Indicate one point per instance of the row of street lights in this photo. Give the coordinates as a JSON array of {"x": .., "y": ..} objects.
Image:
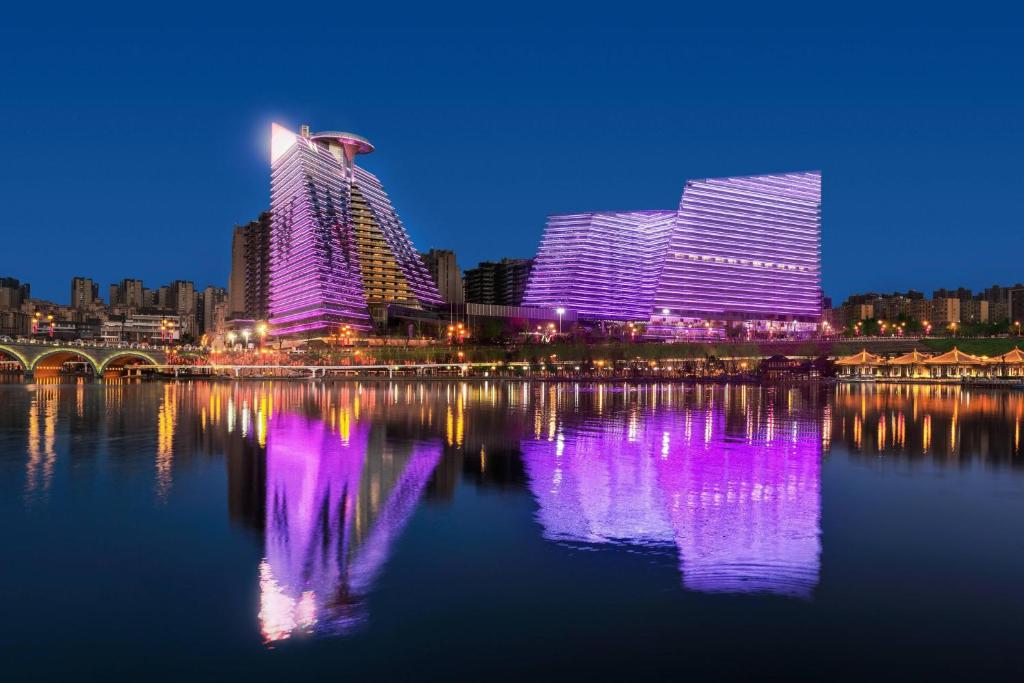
[
  {"x": 457, "y": 332},
  {"x": 261, "y": 332},
  {"x": 37, "y": 318},
  {"x": 899, "y": 328}
]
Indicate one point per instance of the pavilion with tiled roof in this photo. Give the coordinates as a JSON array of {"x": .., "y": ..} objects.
[
  {"x": 911, "y": 364},
  {"x": 1010, "y": 364},
  {"x": 861, "y": 364},
  {"x": 955, "y": 363}
]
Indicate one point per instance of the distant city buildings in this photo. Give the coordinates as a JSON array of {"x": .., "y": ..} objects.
[
  {"x": 738, "y": 251},
  {"x": 214, "y": 310},
  {"x": 443, "y": 268},
  {"x": 176, "y": 311},
  {"x": 996, "y": 305},
  {"x": 498, "y": 283},
  {"x": 84, "y": 293},
  {"x": 128, "y": 294},
  {"x": 142, "y": 327},
  {"x": 249, "y": 283},
  {"x": 337, "y": 246},
  {"x": 14, "y": 321}
]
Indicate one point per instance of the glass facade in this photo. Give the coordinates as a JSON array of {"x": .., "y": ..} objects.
[
  {"x": 746, "y": 248},
  {"x": 737, "y": 249},
  {"x": 336, "y": 243},
  {"x": 604, "y": 266}
]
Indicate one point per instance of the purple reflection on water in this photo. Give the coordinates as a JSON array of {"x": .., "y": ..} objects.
[
  {"x": 332, "y": 515},
  {"x": 742, "y": 505}
]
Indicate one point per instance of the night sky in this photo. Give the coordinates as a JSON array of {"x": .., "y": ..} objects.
[{"x": 133, "y": 142}]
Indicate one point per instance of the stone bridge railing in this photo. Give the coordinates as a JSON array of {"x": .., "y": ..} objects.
[{"x": 33, "y": 357}]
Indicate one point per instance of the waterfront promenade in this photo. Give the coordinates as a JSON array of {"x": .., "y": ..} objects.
[{"x": 770, "y": 360}]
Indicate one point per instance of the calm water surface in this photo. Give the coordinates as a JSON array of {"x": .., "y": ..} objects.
[{"x": 305, "y": 531}]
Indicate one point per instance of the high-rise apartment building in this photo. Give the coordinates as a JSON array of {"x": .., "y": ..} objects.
[
  {"x": 738, "y": 250},
  {"x": 514, "y": 275},
  {"x": 84, "y": 292},
  {"x": 480, "y": 283},
  {"x": 128, "y": 294},
  {"x": 337, "y": 244},
  {"x": 501, "y": 283},
  {"x": 249, "y": 285},
  {"x": 181, "y": 300},
  {"x": 961, "y": 293},
  {"x": 444, "y": 269},
  {"x": 181, "y": 297},
  {"x": 213, "y": 302},
  {"x": 13, "y": 294}
]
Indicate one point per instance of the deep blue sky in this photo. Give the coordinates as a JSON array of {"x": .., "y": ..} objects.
[{"x": 133, "y": 142}]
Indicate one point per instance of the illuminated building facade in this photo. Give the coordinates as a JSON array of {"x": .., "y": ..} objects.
[
  {"x": 337, "y": 245},
  {"x": 604, "y": 266},
  {"x": 738, "y": 250}
]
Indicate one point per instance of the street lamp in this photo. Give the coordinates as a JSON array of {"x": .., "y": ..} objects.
[
  {"x": 261, "y": 330},
  {"x": 1018, "y": 327},
  {"x": 245, "y": 335},
  {"x": 231, "y": 339},
  {"x": 561, "y": 311}
]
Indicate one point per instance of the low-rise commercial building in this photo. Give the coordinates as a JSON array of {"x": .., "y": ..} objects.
[{"x": 141, "y": 327}]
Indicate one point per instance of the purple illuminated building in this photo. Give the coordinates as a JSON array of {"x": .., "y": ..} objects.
[
  {"x": 604, "y": 266},
  {"x": 737, "y": 496},
  {"x": 337, "y": 245},
  {"x": 740, "y": 250}
]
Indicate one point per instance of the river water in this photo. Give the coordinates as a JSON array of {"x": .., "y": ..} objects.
[{"x": 503, "y": 531}]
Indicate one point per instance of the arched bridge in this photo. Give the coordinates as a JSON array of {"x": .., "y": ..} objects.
[{"x": 50, "y": 357}]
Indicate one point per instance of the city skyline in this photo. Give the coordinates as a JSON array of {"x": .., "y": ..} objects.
[{"x": 516, "y": 123}]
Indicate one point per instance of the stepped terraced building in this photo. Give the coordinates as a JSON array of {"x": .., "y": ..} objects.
[
  {"x": 744, "y": 250},
  {"x": 337, "y": 245}
]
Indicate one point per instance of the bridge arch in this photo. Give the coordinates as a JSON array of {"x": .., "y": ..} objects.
[
  {"x": 122, "y": 358},
  {"x": 14, "y": 354},
  {"x": 62, "y": 355}
]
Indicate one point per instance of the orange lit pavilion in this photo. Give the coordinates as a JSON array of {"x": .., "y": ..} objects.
[{"x": 861, "y": 364}]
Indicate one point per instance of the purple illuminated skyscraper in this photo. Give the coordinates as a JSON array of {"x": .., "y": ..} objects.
[
  {"x": 738, "y": 250},
  {"x": 337, "y": 243}
]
